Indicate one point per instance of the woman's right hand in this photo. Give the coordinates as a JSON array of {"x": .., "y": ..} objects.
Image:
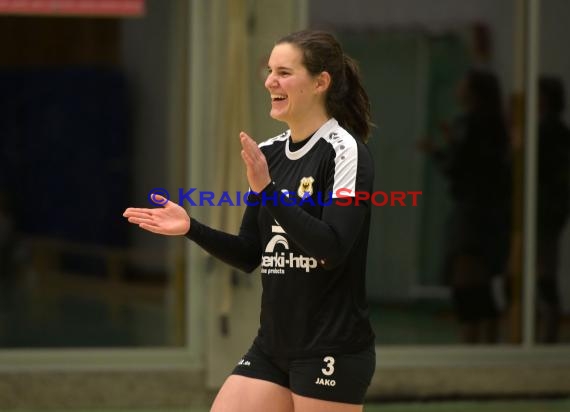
[{"x": 170, "y": 219}]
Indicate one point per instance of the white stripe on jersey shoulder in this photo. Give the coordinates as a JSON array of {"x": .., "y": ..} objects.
[
  {"x": 346, "y": 160},
  {"x": 322, "y": 133},
  {"x": 283, "y": 136}
]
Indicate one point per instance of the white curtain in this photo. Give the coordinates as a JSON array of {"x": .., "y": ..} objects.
[{"x": 229, "y": 111}]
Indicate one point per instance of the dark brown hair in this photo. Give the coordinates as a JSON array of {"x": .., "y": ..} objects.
[
  {"x": 346, "y": 100},
  {"x": 484, "y": 92}
]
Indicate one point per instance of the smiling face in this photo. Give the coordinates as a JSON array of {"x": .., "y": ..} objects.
[{"x": 296, "y": 95}]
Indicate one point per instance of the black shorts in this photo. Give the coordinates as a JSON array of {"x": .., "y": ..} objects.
[{"x": 331, "y": 377}]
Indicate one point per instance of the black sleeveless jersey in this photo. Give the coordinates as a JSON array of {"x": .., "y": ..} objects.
[{"x": 310, "y": 235}]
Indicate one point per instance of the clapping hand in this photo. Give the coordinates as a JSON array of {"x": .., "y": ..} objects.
[
  {"x": 255, "y": 162},
  {"x": 170, "y": 219}
]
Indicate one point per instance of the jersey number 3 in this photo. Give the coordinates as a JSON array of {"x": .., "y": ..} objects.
[{"x": 329, "y": 370}]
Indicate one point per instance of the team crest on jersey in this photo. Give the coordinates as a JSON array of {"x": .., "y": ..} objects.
[{"x": 305, "y": 187}]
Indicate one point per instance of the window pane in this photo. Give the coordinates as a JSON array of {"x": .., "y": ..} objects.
[
  {"x": 440, "y": 77},
  {"x": 84, "y": 135}
]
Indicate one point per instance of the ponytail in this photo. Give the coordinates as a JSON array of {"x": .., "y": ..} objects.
[{"x": 349, "y": 103}]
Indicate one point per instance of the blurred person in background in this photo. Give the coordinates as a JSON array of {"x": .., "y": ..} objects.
[
  {"x": 553, "y": 202},
  {"x": 476, "y": 162}
]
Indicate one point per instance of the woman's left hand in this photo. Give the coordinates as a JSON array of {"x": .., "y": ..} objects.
[{"x": 255, "y": 162}]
